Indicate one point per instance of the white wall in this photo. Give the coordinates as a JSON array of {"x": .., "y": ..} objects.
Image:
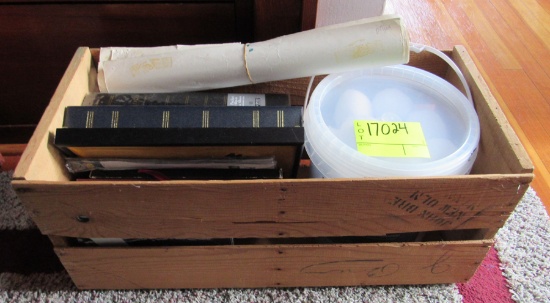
[{"x": 338, "y": 11}]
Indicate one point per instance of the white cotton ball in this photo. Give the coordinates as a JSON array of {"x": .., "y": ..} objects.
[
  {"x": 346, "y": 132},
  {"x": 391, "y": 103},
  {"x": 432, "y": 124},
  {"x": 352, "y": 104}
]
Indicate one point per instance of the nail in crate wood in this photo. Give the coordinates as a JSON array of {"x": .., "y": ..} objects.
[{"x": 468, "y": 209}]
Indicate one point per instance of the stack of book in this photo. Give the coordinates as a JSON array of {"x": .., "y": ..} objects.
[{"x": 174, "y": 136}]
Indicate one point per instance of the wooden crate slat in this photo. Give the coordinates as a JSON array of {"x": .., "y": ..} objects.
[
  {"x": 273, "y": 266},
  {"x": 273, "y": 209}
]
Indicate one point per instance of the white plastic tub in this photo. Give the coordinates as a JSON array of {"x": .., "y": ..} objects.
[{"x": 393, "y": 93}]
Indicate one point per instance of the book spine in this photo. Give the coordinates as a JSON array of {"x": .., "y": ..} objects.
[
  {"x": 186, "y": 174},
  {"x": 76, "y": 165},
  {"x": 188, "y": 99},
  {"x": 166, "y": 116},
  {"x": 103, "y": 137}
]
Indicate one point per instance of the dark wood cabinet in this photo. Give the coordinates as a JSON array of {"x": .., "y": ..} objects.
[{"x": 39, "y": 39}]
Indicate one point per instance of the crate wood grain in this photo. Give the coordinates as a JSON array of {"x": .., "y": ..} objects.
[
  {"x": 474, "y": 205},
  {"x": 286, "y": 208},
  {"x": 247, "y": 266}
]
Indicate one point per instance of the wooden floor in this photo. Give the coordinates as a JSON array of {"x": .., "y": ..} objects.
[{"x": 510, "y": 43}]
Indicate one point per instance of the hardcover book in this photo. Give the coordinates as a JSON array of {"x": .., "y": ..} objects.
[
  {"x": 184, "y": 174},
  {"x": 77, "y": 165},
  {"x": 284, "y": 144},
  {"x": 188, "y": 99},
  {"x": 167, "y": 116}
]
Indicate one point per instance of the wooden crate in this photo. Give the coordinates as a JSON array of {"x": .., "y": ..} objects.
[{"x": 459, "y": 215}]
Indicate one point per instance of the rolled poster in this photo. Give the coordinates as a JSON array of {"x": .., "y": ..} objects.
[{"x": 343, "y": 47}]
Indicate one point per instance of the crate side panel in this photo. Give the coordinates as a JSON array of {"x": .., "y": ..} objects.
[
  {"x": 273, "y": 266},
  {"x": 500, "y": 150},
  {"x": 286, "y": 208},
  {"x": 41, "y": 160}
]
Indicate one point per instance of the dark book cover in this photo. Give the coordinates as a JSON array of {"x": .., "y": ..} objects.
[
  {"x": 188, "y": 99},
  {"x": 284, "y": 144},
  {"x": 120, "y": 137},
  {"x": 77, "y": 165},
  {"x": 166, "y": 116},
  {"x": 184, "y": 174}
]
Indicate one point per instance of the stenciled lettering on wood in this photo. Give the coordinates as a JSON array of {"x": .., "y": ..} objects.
[{"x": 445, "y": 211}]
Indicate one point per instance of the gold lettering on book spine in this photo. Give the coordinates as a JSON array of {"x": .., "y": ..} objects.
[
  {"x": 205, "y": 119},
  {"x": 114, "y": 118},
  {"x": 256, "y": 118},
  {"x": 165, "y": 119},
  {"x": 280, "y": 118},
  {"x": 89, "y": 119}
]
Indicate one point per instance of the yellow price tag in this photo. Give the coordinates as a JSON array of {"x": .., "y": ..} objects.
[{"x": 391, "y": 139}]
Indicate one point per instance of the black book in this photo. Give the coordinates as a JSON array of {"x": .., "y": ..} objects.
[
  {"x": 188, "y": 99},
  {"x": 77, "y": 165},
  {"x": 184, "y": 174},
  {"x": 284, "y": 144},
  {"x": 167, "y": 116}
]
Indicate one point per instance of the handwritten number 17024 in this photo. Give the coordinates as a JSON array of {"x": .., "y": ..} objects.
[{"x": 376, "y": 129}]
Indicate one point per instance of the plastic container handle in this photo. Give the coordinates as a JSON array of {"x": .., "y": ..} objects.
[{"x": 418, "y": 48}]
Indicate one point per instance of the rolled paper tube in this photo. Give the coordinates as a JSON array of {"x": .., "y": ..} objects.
[
  {"x": 117, "y": 53},
  {"x": 188, "y": 69},
  {"x": 344, "y": 47}
]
